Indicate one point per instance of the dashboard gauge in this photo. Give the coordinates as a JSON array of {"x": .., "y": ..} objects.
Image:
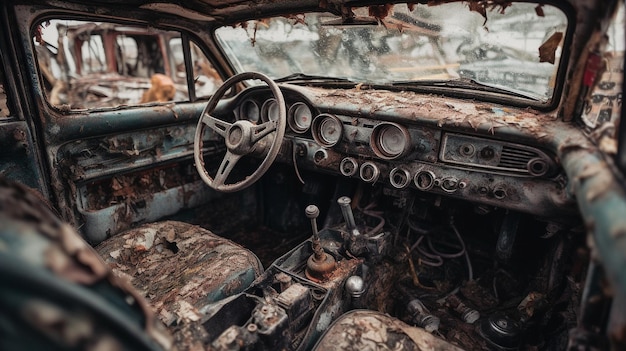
[
  {"x": 270, "y": 111},
  {"x": 327, "y": 130},
  {"x": 390, "y": 140},
  {"x": 300, "y": 117},
  {"x": 250, "y": 111}
]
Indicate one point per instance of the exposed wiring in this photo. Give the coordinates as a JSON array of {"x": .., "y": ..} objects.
[
  {"x": 435, "y": 258},
  {"x": 495, "y": 277},
  {"x": 470, "y": 270},
  {"x": 368, "y": 211},
  {"x": 460, "y": 253},
  {"x": 438, "y": 261},
  {"x": 295, "y": 164}
]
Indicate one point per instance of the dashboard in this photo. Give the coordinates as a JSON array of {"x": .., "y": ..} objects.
[{"x": 335, "y": 132}]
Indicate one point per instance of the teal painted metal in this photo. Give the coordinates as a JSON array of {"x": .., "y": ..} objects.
[{"x": 602, "y": 203}]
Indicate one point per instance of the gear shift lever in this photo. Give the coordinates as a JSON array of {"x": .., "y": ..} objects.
[
  {"x": 346, "y": 210},
  {"x": 319, "y": 263}
]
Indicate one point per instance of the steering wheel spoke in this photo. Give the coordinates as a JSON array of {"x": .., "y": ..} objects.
[
  {"x": 219, "y": 126},
  {"x": 228, "y": 163},
  {"x": 261, "y": 130}
]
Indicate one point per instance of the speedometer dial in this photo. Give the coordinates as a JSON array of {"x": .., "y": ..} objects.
[
  {"x": 250, "y": 111},
  {"x": 270, "y": 111},
  {"x": 327, "y": 130},
  {"x": 390, "y": 140},
  {"x": 300, "y": 117}
]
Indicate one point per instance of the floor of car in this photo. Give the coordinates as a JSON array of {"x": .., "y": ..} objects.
[{"x": 238, "y": 218}]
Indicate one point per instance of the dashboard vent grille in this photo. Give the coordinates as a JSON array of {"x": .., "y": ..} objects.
[{"x": 515, "y": 158}]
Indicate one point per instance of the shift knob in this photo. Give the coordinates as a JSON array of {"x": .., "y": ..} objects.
[{"x": 312, "y": 211}]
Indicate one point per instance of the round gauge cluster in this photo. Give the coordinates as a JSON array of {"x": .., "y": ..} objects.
[
  {"x": 300, "y": 117},
  {"x": 327, "y": 130},
  {"x": 390, "y": 140},
  {"x": 250, "y": 110},
  {"x": 270, "y": 111}
]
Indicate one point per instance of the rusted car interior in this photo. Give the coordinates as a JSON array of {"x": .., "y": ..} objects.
[{"x": 312, "y": 175}]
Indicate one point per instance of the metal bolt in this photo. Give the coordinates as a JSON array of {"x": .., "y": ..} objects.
[{"x": 284, "y": 280}]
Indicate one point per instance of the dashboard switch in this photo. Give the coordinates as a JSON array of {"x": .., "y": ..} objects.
[
  {"x": 319, "y": 156},
  {"x": 424, "y": 180},
  {"x": 399, "y": 178},
  {"x": 348, "y": 167},
  {"x": 369, "y": 172},
  {"x": 449, "y": 184}
]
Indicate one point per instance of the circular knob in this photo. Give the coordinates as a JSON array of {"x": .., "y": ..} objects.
[
  {"x": 355, "y": 286},
  {"x": 369, "y": 172},
  {"x": 312, "y": 211}
]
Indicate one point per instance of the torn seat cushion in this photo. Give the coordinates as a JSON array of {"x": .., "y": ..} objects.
[
  {"x": 370, "y": 330},
  {"x": 180, "y": 268}
]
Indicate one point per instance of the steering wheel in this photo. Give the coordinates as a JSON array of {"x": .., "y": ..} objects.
[{"x": 241, "y": 137}]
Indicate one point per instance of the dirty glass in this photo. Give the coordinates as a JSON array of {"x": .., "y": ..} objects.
[
  {"x": 87, "y": 65},
  {"x": 515, "y": 46},
  {"x": 206, "y": 78}
]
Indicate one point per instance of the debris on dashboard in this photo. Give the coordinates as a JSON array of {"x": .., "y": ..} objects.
[{"x": 135, "y": 186}]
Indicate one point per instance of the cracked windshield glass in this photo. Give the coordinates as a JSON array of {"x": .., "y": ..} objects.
[{"x": 515, "y": 47}]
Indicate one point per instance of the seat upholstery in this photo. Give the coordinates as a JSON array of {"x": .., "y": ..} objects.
[
  {"x": 371, "y": 330},
  {"x": 180, "y": 268}
]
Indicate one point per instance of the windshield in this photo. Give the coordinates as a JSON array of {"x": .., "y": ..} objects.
[{"x": 515, "y": 47}]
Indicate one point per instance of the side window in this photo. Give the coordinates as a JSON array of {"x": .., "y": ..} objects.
[
  {"x": 4, "y": 103},
  {"x": 206, "y": 78},
  {"x": 89, "y": 65}
]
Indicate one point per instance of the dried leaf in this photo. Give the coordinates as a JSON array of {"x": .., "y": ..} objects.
[
  {"x": 380, "y": 11},
  {"x": 547, "y": 50},
  {"x": 479, "y": 7},
  {"x": 539, "y": 10},
  {"x": 297, "y": 18}
]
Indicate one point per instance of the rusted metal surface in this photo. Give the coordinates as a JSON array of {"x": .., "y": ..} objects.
[
  {"x": 159, "y": 254},
  {"x": 367, "y": 330},
  {"x": 180, "y": 268},
  {"x": 602, "y": 203}
]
